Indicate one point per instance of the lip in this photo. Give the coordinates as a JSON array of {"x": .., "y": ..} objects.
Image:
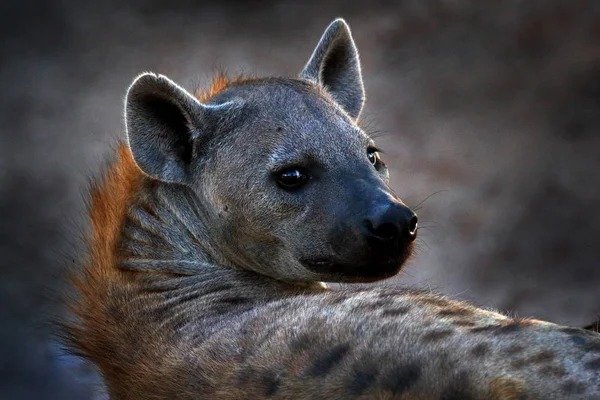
[
  {"x": 335, "y": 271},
  {"x": 318, "y": 262}
]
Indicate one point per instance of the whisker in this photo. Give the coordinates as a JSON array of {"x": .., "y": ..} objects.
[{"x": 418, "y": 206}]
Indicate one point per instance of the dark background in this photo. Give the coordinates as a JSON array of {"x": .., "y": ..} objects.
[{"x": 496, "y": 104}]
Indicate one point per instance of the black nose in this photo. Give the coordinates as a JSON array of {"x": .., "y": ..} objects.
[{"x": 392, "y": 222}]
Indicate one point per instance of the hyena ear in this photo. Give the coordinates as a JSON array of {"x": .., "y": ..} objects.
[
  {"x": 335, "y": 65},
  {"x": 163, "y": 123}
]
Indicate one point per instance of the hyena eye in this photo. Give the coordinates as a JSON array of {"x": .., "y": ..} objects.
[
  {"x": 373, "y": 156},
  {"x": 292, "y": 178}
]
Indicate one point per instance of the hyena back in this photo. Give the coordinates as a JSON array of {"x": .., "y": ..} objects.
[{"x": 216, "y": 224}]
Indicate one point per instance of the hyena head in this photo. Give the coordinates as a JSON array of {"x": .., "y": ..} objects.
[{"x": 283, "y": 179}]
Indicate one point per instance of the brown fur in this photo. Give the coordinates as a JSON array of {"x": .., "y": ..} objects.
[
  {"x": 99, "y": 278},
  {"x": 110, "y": 198},
  {"x": 220, "y": 82},
  {"x": 506, "y": 389}
]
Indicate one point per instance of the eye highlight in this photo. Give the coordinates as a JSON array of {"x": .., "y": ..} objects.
[
  {"x": 291, "y": 178},
  {"x": 373, "y": 156}
]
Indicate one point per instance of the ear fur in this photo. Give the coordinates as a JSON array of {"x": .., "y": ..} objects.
[
  {"x": 163, "y": 121},
  {"x": 335, "y": 65}
]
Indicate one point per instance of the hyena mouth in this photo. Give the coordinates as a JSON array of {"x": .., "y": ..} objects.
[
  {"x": 318, "y": 263},
  {"x": 353, "y": 272}
]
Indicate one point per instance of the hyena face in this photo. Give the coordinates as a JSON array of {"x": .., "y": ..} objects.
[{"x": 280, "y": 166}]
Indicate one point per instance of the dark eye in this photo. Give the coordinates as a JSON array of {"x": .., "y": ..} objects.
[
  {"x": 373, "y": 156},
  {"x": 292, "y": 178}
]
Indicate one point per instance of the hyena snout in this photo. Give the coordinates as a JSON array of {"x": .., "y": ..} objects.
[
  {"x": 391, "y": 222},
  {"x": 373, "y": 241}
]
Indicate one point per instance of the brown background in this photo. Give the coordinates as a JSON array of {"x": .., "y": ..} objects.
[{"x": 495, "y": 104}]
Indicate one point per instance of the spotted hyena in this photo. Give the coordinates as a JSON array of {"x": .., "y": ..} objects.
[{"x": 219, "y": 219}]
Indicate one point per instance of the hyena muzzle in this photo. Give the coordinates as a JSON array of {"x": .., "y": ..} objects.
[{"x": 214, "y": 227}]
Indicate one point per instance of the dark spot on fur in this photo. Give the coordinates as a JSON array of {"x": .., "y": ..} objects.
[
  {"x": 279, "y": 129},
  {"x": 437, "y": 335},
  {"x": 384, "y": 302},
  {"x": 246, "y": 375},
  {"x": 503, "y": 329},
  {"x": 394, "y": 312},
  {"x": 325, "y": 362},
  {"x": 592, "y": 347},
  {"x": 591, "y": 337},
  {"x": 363, "y": 377},
  {"x": 399, "y": 380},
  {"x": 271, "y": 382},
  {"x": 508, "y": 328},
  {"x": 365, "y": 307},
  {"x": 538, "y": 358},
  {"x": 458, "y": 388},
  {"x": 578, "y": 340},
  {"x": 553, "y": 370},
  {"x": 514, "y": 349},
  {"x": 541, "y": 357},
  {"x": 301, "y": 343},
  {"x": 455, "y": 312},
  {"x": 483, "y": 329},
  {"x": 383, "y": 295},
  {"x": 234, "y": 300},
  {"x": 593, "y": 364},
  {"x": 462, "y": 322},
  {"x": 454, "y": 394},
  {"x": 572, "y": 387},
  {"x": 480, "y": 350}
]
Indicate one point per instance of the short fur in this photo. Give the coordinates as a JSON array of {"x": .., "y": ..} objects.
[{"x": 202, "y": 276}]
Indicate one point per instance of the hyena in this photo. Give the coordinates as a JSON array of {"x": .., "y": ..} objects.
[{"x": 215, "y": 226}]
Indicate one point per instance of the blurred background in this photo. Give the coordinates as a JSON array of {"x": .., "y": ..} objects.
[{"x": 489, "y": 110}]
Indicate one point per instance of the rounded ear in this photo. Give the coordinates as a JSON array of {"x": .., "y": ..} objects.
[
  {"x": 335, "y": 65},
  {"x": 163, "y": 121}
]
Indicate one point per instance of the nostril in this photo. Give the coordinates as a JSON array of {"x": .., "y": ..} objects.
[
  {"x": 412, "y": 226},
  {"x": 385, "y": 231}
]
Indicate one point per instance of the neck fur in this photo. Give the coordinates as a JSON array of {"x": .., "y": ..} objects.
[{"x": 165, "y": 231}]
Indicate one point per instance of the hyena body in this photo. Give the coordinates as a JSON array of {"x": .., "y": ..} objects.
[{"x": 214, "y": 226}]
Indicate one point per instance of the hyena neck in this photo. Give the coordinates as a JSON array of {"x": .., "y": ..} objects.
[{"x": 164, "y": 231}]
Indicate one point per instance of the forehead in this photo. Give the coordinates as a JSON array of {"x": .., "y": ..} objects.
[{"x": 294, "y": 116}]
